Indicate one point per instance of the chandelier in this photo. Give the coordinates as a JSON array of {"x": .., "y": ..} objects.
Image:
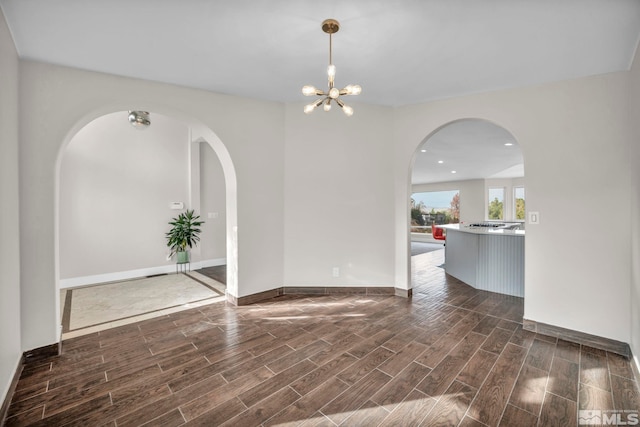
[{"x": 330, "y": 26}]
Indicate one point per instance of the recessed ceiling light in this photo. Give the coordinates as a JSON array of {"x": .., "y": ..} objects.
[
  {"x": 508, "y": 144},
  {"x": 423, "y": 151},
  {"x": 441, "y": 161},
  {"x": 453, "y": 172}
]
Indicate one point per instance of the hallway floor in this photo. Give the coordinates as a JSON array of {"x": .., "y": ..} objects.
[
  {"x": 450, "y": 356},
  {"x": 98, "y": 307}
]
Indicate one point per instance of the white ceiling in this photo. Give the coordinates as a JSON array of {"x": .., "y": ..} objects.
[
  {"x": 473, "y": 149},
  {"x": 400, "y": 51}
]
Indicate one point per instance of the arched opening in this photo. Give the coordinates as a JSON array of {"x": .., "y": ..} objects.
[
  {"x": 117, "y": 187},
  {"x": 468, "y": 171}
]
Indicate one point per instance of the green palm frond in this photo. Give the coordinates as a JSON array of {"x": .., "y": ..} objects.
[{"x": 184, "y": 231}]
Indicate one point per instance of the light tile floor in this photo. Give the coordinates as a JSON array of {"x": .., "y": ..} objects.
[{"x": 162, "y": 304}]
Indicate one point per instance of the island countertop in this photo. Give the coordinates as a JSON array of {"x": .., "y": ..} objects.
[
  {"x": 482, "y": 230},
  {"x": 487, "y": 258}
]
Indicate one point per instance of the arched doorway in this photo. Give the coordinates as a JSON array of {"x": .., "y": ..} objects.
[
  {"x": 467, "y": 171},
  {"x": 132, "y": 178}
]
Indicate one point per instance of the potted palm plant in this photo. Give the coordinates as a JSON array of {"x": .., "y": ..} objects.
[{"x": 184, "y": 232}]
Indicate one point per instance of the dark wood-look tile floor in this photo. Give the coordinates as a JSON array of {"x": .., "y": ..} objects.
[
  {"x": 449, "y": 356},
  {"x": 218, "y": 273}
]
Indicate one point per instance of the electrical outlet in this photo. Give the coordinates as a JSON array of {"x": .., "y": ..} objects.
[{"x": 336, "y": 271}]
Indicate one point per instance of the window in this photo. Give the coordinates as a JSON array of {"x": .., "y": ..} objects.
[
  {"x": 439, "y": 207},
  {"x": 518, "y": 202},
  {"x": 496, "y": 203}
]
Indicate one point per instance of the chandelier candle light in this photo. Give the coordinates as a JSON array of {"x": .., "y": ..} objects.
[{"x": 330, "y": 26}]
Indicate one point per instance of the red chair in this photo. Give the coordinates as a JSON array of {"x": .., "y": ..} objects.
[{"x": 437, "y": 232}]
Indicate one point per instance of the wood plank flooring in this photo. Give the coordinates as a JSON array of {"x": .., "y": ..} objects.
[
  {"x": 449, "y": 356},
  {"x": 218, "y": 273}
]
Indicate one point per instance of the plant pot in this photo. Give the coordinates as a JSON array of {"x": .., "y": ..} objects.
[{"x": 182, "y": 257}]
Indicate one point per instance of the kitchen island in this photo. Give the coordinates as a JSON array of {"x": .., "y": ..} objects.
[{"x": 487, "y": 256}]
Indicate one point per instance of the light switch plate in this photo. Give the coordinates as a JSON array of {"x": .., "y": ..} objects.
[{"x": 534, "y": 217}]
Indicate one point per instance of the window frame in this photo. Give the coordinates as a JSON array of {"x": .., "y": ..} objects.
[
  {"x": 490, "y": 199},
  {"x": 515, "y": 201}
]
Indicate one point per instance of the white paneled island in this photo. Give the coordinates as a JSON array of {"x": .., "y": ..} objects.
[{"x": 487, "y": 256}]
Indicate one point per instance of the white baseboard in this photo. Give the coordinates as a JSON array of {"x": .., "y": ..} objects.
[{"x": 75, "y": 282}]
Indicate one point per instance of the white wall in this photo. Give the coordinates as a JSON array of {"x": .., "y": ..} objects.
[
  {"x": 342, "y": 187},
  {"x": 116, "y": 184},
  {"x": 634, "y": 165},
  {"x": 574, "y": 139},
  {"x": 212, "y": 200},
  {"x": 338, "y": 197},
  {"x": 10, "y": 347},
  {"x": 64, "y": 100}
]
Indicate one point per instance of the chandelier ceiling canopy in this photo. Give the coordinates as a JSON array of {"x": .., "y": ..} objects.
[{"x": 330, "y": 26}]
